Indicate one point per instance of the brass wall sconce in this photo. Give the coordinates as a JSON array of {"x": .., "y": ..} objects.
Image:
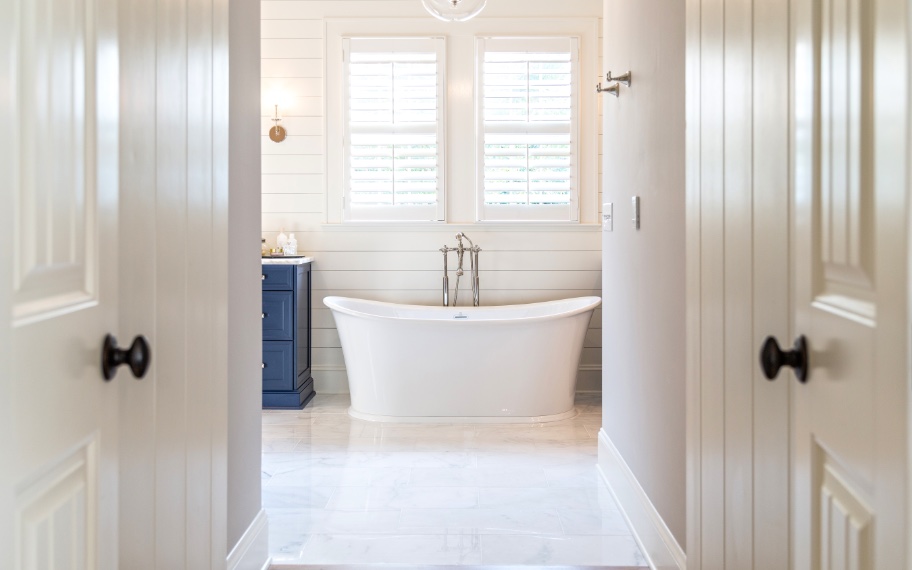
[{"x": 277, "y": 133}]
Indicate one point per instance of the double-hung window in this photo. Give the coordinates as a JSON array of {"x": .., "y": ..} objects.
[
  {"x": 528, "y": 128},
  {"x": 393, "y": 116}
]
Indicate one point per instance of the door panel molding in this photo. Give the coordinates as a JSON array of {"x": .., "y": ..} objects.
[
  {"x": 843, "y": 530},
  {"x": 55, "y": 236},
  {"x": 56, "y": 514},
  {"x": 844, "y": 256}
]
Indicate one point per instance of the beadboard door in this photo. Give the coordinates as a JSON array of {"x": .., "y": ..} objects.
[
  {"x": 59, "y": 148},
  {"x": 738, "y": 282},
  {"x": 174, "y": 270}
]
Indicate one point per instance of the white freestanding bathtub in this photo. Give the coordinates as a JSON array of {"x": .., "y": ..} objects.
[{"x": 514, "y": 363}]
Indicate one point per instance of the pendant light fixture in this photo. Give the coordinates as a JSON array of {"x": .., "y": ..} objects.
[{"x": 454, "y": 10}]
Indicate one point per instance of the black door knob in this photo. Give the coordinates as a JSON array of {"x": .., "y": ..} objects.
[
  {"x": 137, "y": 357},
  {"x": 772, "y": 358}
]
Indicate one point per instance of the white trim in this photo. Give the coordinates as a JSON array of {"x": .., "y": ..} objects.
[
  {"x": 252, "y": 551},
  {"x": 401, "y": 44},
  {"x": 658, "y": 545},
  {"x": 460, "y": 204},
  {"x": 504, "y": 213}
]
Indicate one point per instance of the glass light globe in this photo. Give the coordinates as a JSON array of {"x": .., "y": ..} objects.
[{"x": 454, "y": 10}]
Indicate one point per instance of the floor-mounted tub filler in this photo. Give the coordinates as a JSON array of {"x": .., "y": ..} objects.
[{"x": 513, "y": 363}]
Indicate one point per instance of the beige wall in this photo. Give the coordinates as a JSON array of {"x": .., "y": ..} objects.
[
  {"x": 244, "y": 295},
  {"x": 644, "y": 313},
  {"x": 400, "y": 264}
]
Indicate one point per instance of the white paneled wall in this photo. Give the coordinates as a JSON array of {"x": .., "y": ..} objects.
[{"x": 400, "y": 263}]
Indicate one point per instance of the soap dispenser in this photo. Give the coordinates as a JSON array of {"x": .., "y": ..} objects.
[
  {"x": 281, "y": 240},
  {"x": 291, "y": 247}
]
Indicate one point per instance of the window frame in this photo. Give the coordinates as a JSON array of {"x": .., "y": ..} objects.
[
  {"x": 509, "y": 213},
  {"x": 460, "y": 206},
  {"x": 432, "y": 213}
]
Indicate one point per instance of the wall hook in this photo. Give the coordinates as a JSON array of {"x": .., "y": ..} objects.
[
  {"x": 623, "y": 78},
  {"x": 613, "y": 89}
]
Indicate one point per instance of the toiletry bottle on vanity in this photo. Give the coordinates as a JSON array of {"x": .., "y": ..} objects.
[
  {"x": 264, "y": 249},
  {"x": 291, "y": 246},
  {"x": 281, "y": 240}
]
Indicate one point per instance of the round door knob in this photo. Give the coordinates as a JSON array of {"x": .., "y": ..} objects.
[
  {"x": 137, "y": 357},
  {"x": 772, "y": 358}
]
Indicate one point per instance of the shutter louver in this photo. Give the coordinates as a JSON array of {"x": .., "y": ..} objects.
[{"x": 394, "y": 129}]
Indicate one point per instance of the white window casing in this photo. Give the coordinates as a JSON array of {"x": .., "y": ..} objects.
[
  {"x": 527, "y": 127},
  {"x": 460, "y": 162},
  {"x": 393, "y": 115}
]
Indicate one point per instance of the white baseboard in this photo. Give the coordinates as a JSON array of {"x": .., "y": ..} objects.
[
  {"x": 252, "y": 551},
  {"x": 659, "y": 546}
]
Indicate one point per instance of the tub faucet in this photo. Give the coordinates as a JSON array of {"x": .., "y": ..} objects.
[{"x": 460, "y": 250}]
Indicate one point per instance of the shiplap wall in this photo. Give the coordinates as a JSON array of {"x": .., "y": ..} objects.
[{"x": 400, "y": 264}]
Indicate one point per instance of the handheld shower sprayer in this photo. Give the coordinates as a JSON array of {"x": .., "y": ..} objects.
[{"x": 446, "y": 278}]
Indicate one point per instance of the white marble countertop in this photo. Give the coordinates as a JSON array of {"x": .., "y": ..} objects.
[{"x": 286, "y": 261}]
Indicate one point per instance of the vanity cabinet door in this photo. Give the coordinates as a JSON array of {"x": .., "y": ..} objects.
[
  {"x": 278, "y": 366},
  {"x": 278, "y": 315}
]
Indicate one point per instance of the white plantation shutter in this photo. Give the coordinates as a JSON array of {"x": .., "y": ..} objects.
[
  {"x": 393, "y": 117},
  {"x": 528, "y": 129}
]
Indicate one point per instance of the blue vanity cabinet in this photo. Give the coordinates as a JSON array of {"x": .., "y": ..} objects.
[{"x": 287, "y": 381}]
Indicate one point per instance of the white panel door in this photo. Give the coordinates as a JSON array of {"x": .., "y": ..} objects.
[
  {"x": 850, "y": 262},
  {"x": 59, "y": 181}
]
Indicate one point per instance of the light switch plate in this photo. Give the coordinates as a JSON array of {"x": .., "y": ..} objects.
[{"x": 608, "y": 217}]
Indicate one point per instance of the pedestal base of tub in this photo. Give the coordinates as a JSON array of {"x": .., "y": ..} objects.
[{"x": 465, "y": 419}]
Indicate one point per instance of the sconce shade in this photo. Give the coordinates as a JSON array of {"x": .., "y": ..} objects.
[
  {"x": 454, "y": 10},
  {"x": 277, "y": 133}
]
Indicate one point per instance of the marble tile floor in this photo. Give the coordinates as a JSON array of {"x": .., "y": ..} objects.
[{"x": 345, "y": 493}]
